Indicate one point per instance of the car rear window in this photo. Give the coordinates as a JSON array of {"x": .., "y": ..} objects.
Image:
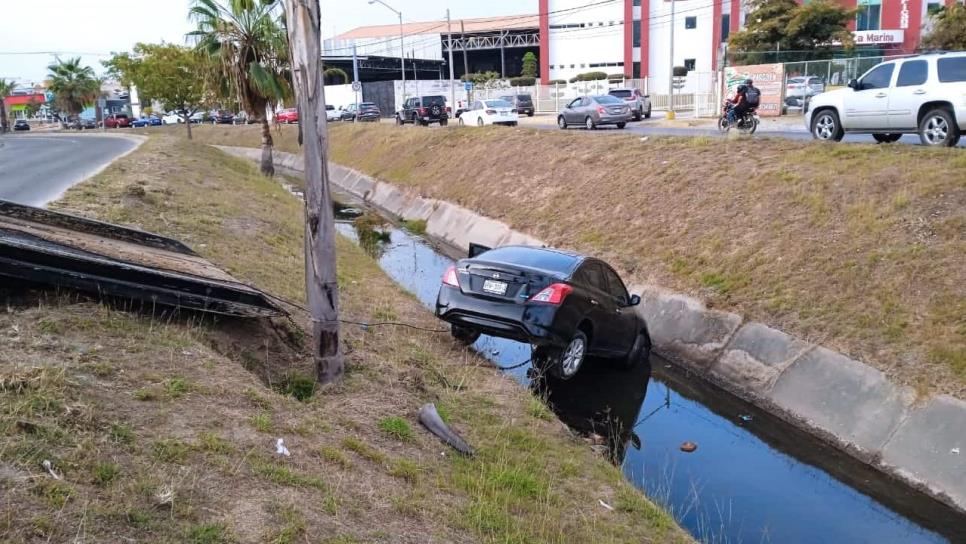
[
  {"x": 952, "y": 69},
  {"x": 607, "y": 99},
  {"x": 622, "y": 94},
  {"x": 524, "y": 97},
  {"x": 329, "y": 107},
  {"x": 532, "y": 257},
  {"x": 498, "y": 103},
  {"x": 367, "y": 105},
  {"x": 434, "y": 100}
]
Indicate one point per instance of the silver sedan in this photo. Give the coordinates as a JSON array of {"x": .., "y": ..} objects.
[{"x": 594, "y": 111}]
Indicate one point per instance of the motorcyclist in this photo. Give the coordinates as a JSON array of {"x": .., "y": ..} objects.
[{"x": 739, "y": 104}]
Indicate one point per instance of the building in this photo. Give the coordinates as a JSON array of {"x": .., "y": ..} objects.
[
  {"x": 483, "y": 44},
  {"x": 633, "y": 37},
  {"x": 19, "y": 104}
]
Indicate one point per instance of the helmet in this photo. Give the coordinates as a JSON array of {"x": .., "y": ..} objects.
[
  {"x": 748, "y": 81},
  {"x": 742, "y": 88}
]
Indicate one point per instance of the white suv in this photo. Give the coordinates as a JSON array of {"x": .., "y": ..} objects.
[{"x": 925, "y": 94}]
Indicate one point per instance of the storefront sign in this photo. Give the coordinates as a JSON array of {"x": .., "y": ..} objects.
[
  {"x": 877, "y": 37},
  {"x": 904, "y": 14},
  {"x": 767, "y": 77}
]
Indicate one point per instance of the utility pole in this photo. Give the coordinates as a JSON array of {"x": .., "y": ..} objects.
[
  {"x": 303, "y": 19},
  {"x": 466, "y": 62},
  {"x": 452, "y": 85},
  {"x": 670, "y": 81},
  {"x": 355, "y": 74},
  {"x": 402, "y": 47}
]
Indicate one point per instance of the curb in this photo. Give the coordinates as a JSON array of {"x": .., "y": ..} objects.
[{"x": 842, "y": 401}]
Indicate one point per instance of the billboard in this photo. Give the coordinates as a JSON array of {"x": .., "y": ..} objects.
[{"x": 767, "y": 77}]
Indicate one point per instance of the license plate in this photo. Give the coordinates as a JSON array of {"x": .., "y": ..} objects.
[
  {"x": 495, "y": 287},
  {"x": 504, "y": 113}
]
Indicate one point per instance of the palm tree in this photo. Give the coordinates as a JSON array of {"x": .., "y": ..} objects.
[
  {"x": 6, "y": 87},
  {"x": 74, "y": 86},
  {"x": 248, "y": 38}
]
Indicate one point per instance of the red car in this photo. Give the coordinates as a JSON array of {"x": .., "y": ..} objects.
[
  {"x": 290, "y": 115},
  {"x": 117, "y": 120}
]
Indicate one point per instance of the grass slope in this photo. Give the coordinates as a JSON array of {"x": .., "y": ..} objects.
[
  {"x": 859, "y": 247},
  {"x": 163, "y": 428}
]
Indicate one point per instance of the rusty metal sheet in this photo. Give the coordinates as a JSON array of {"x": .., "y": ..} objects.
[{"x": 66, "y": 250}]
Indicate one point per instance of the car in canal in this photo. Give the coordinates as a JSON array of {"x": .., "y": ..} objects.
[
  {"x": 594, "y": 111},
  {"x": 566, "y": 305}
]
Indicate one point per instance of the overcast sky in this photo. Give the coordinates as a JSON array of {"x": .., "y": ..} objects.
[{"x": 95, "y": 28}]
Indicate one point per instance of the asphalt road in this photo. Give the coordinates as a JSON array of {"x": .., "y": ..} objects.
[{"x": 36, "y": 169}]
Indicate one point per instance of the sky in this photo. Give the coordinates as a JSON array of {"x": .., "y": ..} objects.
[{"x": 33, "y": 31}]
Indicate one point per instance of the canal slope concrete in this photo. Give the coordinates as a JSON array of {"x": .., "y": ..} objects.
[{"x": 847, "y": 403}]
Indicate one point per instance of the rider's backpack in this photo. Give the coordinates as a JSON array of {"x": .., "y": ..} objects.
[{"x": 752, "y": 95}]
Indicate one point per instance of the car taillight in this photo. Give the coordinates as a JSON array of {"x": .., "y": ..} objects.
[
  {"x": 629, "y": 99},
  {"x": 450, "y": 277},
  {"x": 491, "y": 112},
  {"x": 553, "y": 294},
  {"x": 449, "y": 109},
  {"x": 600, "y": 109}
]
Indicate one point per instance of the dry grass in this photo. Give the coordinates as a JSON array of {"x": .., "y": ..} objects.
[
  {"x": 163, "y": 427},
  {"x": 859, "y": 247}
]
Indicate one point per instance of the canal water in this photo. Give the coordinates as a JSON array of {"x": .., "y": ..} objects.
[{"x": 751, "y": 478}]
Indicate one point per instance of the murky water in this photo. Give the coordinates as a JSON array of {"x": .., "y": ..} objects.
[{"x": 751, "y": 478}]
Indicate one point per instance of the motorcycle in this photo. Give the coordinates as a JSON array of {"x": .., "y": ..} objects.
[{"x": 746, "y": 124}]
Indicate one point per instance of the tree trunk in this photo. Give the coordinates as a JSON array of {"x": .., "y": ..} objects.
[
  {"x": 3, "y": 117},
  {"x": 187, "y": 124},
  {"x": 267, "y": 166},
  {"x": 322, "y": 289}
]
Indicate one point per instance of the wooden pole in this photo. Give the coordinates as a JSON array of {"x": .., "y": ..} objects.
[{"x": 322, "y": 290}]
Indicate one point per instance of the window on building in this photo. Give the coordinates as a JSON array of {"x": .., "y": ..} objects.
[
  {"x": 637, "y": 2},
  {"x": 691, "y": 22},
  {"x": 572, "y": 66},
  {"x": 933, "y": 7},
  {"x": 725, "y": 26},
  {"x": 952, "y": 69},
  {"x": 689, "y": 64},
  {"x": 636, "y": 32},
  {"x": 636, "y": 70},
  {"x": 869, "y": 15},
  {"x": 912, "y": 72},
  {"x": 583, "y": 65}
]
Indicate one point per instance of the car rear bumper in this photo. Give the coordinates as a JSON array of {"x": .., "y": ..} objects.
[
  {"x": 613, "y": 118},
  {"x": 525, "y": 110},
  {"x": 521, "y": 322}
]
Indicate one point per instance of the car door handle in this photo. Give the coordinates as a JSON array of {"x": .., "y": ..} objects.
[
  {"x": 881, "y": 95},
  {"x": 919, "y": 91}
]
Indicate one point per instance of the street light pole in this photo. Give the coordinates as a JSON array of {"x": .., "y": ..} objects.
[
  {"x": 670, "y": 83},
  {"x": 449, "y": 40},
  {"x": 402, "y": 47}
]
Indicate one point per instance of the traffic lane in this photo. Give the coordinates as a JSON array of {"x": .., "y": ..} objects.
[{"x": 35, "y": 170}]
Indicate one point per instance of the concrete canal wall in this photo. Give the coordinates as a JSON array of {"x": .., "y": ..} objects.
[{"x": 843, "y": 401}]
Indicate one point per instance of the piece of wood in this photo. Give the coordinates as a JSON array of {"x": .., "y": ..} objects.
[{"x": 303, "y": 18}]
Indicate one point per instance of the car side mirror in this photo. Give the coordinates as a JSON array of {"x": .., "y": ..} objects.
[
  {"x": 854, "y": 84},
  {"x": 635, "y": 300}
]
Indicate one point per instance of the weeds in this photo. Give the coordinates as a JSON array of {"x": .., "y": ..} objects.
[
  {"x": 397, "y": 428},
  {"x": 262, "y": 422}
]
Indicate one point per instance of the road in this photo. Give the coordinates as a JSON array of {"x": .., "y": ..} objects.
[{"x": 36, "y": 169}]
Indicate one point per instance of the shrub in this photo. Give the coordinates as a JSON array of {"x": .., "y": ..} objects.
[
  {"x": 397, "y": 428},
  {"x": 618, "y": 77},
  {"x": 591, "y": 76},
  {"x": 522, "y": 81},
  {"x": 557, "y": 82}
]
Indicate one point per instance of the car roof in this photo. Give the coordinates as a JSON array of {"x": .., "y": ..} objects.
[{"x": 545, "y": 258}]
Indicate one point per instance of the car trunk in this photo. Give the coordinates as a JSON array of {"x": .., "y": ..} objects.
[{"x": 502, "y": 281}]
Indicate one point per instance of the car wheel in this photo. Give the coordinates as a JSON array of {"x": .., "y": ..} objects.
[
  {"x": 399, "y": 120},
  {"x": 638, "y": 113},
  {"x": 462, "y": 124},
  {"x": 513, "y": 124},
  {"x": 443, "y": 122},
  {"x": 589, "y": 123},
  {"x": 826, "y": 126},
  {"x": 640, "y": 352},
  {"x": 938, "y": 128},
  {"x": 561, "y": 122},
  {"x": 464, "y": 335},
  {"x": 479, "y": 121},
  {"x": 886, "y": 138},
  {"x": 647, "y": 114},
  {"x": 529, "y": 114},
  {"x": 570, "y": 358},
  {"x": 621, "y": 125}
]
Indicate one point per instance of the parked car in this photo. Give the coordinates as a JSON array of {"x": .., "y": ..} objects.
[
  {"x": 921, "y": 94},
  {"x": 197, "y": 117},
  {"x": 117, "y": 120},
  {"x": 150, "y": 121},
  {"x": 88, "y": 123},
  {"x": 290, "y": 115},
  {"x": 424, "y": 110},
  {"x": 21, "y": 124},
  {"x": 564, "y": 304},
  {"x": 332, "y": 114},
  {"x": 803, "y": 87},
  {"x": 639, "y": 102},
  {"x": 595, "y": 111},
  {"x": 224, "y": 118},
  {"x": 365, "y": 111},
  {"x": 490, "y": 112},
  {"x": 522, "y": 102},
  {"x": 171, "y": 118}
]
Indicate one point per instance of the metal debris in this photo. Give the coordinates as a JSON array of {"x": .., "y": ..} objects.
[
  {"x": 43, "y": 246},
  {"x": 430, "y": 419}
]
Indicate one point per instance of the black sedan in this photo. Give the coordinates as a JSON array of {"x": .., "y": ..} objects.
[
  {"x": 21, "y": 124},
  {"x": 566, "y": 305}
]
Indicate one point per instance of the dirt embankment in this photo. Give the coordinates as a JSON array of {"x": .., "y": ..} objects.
[
  {"x": 163, "y": 428},
  {"x": 859, "y": 247}
]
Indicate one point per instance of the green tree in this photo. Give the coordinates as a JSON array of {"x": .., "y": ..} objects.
[
  {"x": 800, "y": 31},
  {"x": 529, "y": 65},
  {"x": 74, "y": 86},
  {"x": 247, "y": 38},
  {"x": 335, "y": 76},
  {"x": 170, "y": 74},
  {"x": 949, "y": 30},
  {"x": 6, "y": 87}
]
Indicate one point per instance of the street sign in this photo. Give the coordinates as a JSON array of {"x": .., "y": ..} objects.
[
  {"x": 356, "y": 86},
  {"x": 467, "y": 85}
]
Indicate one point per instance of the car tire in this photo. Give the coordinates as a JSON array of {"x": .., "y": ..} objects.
[
  {"x": 640, "y": 352},
  {"x": 647, "y": 114},
  {"x": 561, "y": 122},
  {"x": 938, "y": 128},
  {"x": 529, "y": 114},
  {"x": 513, "y": 123},
  {"x": 826, "y": 126},
  {"x": 479, "y": 121},
  {"x": 461, "y": 122},
  {"x": 621, "y": 125},
  {"x": 638, "y": 114},
  {"x": 589, "y": 123},
  {"x": 443, "y": 122},
  {"x": 566, "y": 362},
  {"x": 886, "y": 138},
  {"x": 464, "y": 335},
  {"x": 399, "y": 120}
]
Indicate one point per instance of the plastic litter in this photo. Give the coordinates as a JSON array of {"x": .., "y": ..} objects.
[
  {"x": 281, "y": 449},
  {"x": 605, "y": 505},
  {"x": 50, "y": 468},
  {"x": 954, "y": 450}
]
